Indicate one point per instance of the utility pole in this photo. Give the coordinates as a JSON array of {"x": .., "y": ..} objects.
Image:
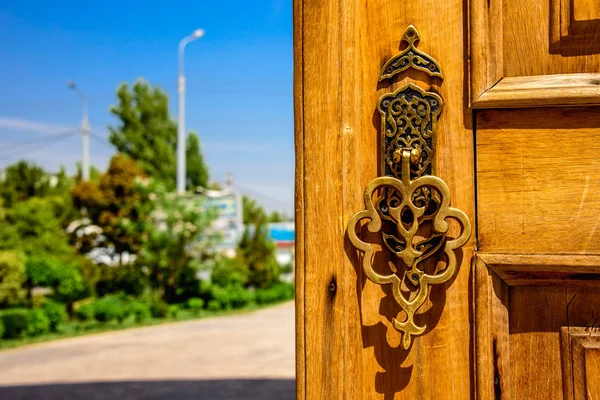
[
  {"x": 181, "y": 136},
  {"x": 85, "y": 133}
]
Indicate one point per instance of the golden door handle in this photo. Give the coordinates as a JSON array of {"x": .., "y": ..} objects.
[{"x": 408, "y": 208}]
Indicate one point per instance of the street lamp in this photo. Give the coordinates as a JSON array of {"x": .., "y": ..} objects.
[
  {"x": 85, "y": 133},
  {"x": 181, "y": 173}
]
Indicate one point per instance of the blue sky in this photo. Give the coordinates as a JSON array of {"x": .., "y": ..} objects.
[{"x": 239, "y": 80}]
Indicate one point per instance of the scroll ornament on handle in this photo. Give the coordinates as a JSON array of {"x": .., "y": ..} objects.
[{"x": 407, "y": 209}]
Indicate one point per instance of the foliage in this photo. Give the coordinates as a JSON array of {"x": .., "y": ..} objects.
[
  {"x": 38, "y": 323},
  {"x": 229, "y": 272},
  {"x": 159, "y": 309},
  {"x": 240, "y": 297},
  {"x": 64, "y": 278},
  {"x": 69, "y": 286},
  {"x": 12, "y": 277},
  {"x": 15, "y": 322},
  {"x": 195, "y": 304},
  {"x": 178, "y": 242},
  {"x": 196, "y": 169},
  {"x": 147, "y": 134},
  {"x": 85, "y": 312},
  {"x": 41, "y": 270},
  {"x": 214, "y": 305},
  {"x": 33, "y": 227},
  {"x": 109, "y": 308},
  {"x": 278, "y": 292},
  {"x": 24, "y": 180},
  {"x": 113, "y": 205},
  {"x": 2, "y": 329},
  {"x": 140, "y": 311},
  {"x": 254, "y": 213},
  {"x": 55, "y": 312},
  {"x": 174, "y": 310},
  {"x": 257, "y": 250}
]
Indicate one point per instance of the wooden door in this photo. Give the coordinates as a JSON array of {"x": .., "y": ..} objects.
[{"x": 517, "y": 143}]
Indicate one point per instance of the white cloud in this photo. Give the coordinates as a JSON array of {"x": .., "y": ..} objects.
[{"x": 34, "y": 126}]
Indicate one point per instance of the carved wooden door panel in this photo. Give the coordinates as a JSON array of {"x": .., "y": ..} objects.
[
  {"x": 494, "y": 104},
  {"x": 535, "y": 90}
]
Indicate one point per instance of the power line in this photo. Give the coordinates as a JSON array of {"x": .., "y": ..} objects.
[
  {"x": 254, "y": 193},
  {"x": 100, "y": 139},
  {"x": 45, "y": 139},
  {"x": 39, "y": 140},
  {"x": 46, "y": 142}
]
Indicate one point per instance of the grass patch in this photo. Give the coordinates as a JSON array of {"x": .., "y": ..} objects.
[{"x": 75, "y": 328}]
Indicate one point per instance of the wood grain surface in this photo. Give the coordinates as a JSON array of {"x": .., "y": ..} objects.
[
  {"x": 542, "y": 91},
  {"x": 350, "y": 350},
  {"x": 538, "y": 181}
]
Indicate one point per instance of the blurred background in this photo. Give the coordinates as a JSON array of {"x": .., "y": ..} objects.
[{"x": 146, "y": 200}]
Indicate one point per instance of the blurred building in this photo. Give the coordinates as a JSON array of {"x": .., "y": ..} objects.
[{"x": 229, "y": 221}]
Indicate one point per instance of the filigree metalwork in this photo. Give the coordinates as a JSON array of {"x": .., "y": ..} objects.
[
  {"x": 411, "y": 57},
  {"x": 408, "y": 121},
  {"x": 407, "y": 208},
  {"x": 405, "y": 216}
]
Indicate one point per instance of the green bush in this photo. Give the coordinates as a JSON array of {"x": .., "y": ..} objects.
[
  {"x": 195, "y": 304},
  {"x": 38, "y": 323},
  {"x": 221, "y": 295},
  {"x": 85, "y": 312},
  {"x": 229, "y": 271},
  {"x": 109, "y": 308},
  {"x": 140, "y": 310},
  {"x": 174, "y": 310},
  {"x": 12, "y": 278},
  {"x": 1, "y": 328},
  {"x": 278, "y": 292},
  {"x": 214, "y": 305},
  {"x": 159, "y": 309},
  {"x": 55, "y": 312},
  {"x": 240, "y": 297},
  {"x": 15, "y": 322}
]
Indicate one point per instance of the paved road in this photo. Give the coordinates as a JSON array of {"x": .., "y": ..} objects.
[{"x": 246, "y": 356}]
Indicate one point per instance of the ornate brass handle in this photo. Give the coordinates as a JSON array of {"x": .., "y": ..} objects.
[{"x": 407, "y": 207}]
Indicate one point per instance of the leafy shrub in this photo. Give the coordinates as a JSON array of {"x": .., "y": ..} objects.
[
  {"x": 228, "y": 272},
  {"x": 174, "y": 310},
  {"x": 2, "y": 329},
  {"x": 195, "y": 304},
  {"x": 240, "y": 297},
  {"x": 15, "y": 322},
  {"x": 159, "y": 309},
  {"x": 222, "y": 296},
  {"x": 12, "y": 277},
  {"x": 278, "y": 292},
  {"x": 55, "y": 312},
  {"x": 41, "y": 270},
  {"x": 38, "y": 323},
  {"x": 214, "y": 305},
  {"x": 110, "y": 308},
  {"x": 85, "y": 312},
  {"x": 140, "y": 310}
]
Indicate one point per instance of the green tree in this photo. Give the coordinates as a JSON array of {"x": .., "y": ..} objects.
[
  {"x": 62, "y": 276},
  {"x": 33, "y": 227},
  {"x": 148, "y": 135},
  {"x": 22, "y": 181},
  {"x": 253, "y": 212},
  {"x": 257, "y": 250},
  {"x": 12, "y": 277},
  {"x": 179, "y": 241},
  {"x": 114, "y": 205}
]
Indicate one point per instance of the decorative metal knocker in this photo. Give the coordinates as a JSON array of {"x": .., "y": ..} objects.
[{"x": 408, "y": 206}]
